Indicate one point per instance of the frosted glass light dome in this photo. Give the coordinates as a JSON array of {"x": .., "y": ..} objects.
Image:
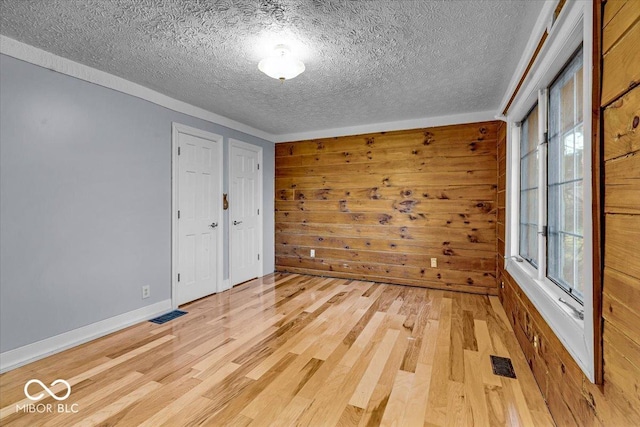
[{"x": 281, "y": 65}]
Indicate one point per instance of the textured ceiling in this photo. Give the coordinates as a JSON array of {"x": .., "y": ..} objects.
[{"x": 366, "y": 61}]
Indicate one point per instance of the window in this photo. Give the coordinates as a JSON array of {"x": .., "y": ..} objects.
[
  {"x": 561, "y": 241},
  {"x": 549, "y": 225},
  {"x": 529, "y": 163},
  {"x": 565, "y": 176}
]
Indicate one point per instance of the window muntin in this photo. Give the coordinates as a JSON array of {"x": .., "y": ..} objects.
[
  {"x": 565, "y": 180},
  {"x": 529, "y": 170}
]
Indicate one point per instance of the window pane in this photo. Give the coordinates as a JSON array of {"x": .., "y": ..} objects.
[
  {"x": 532, "y": 202},
  {"x": 565, "y": 180},
  {"x": 532, "y": 168},
  {"x": 529, "y": 163},
  {"x": 532, "y": 130},
  {"x": 579, "y": 207},
  {"x": 532, "y": 239},
  {"x": 567, "y": 163},
  {"x": 579, "y": 93},
  {"x": 566, "y": 101},
  {"x": 579, "y": 269},
  {"x": 566, "y": 247}
]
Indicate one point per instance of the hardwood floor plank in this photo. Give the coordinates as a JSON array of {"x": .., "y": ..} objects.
[
  {"x": 295, "y": 350},
  {"x": 225, "y": 354},
  {"x": 291, "y": 412},
  {"x": 344, "y": 379},
  {"x": 456, "y": 347},
  {"x": 456, "y": 411},
  {"x": 414, "y": 415},
  {"x": 337, "y": 338},
  {"x": 196, "y": 412},
  {"x": 176, "y": 406},
  {"x": 139, "y": 412},
  {"x": 231, "y": 397},
  {"x": 523, "y": 410},
  {"x": 118, "y": 405},
  {"x": 93, "y": 402},
  {"x": 363, "y": 340},
  {"x": 351, "y": 416},
  {"x": 475, "y": 398},
  {"x": 397, "y": 403},
  {"x": 365, "y": 388},
  {"x": 495, "y": 399},
  {"x": 485, "y": 350},
  {"x": 10, "y": 409},
  {"x": 377, "y": 406},
  {"x": 439, "y": 387},
  {"x": 330, "y": 395},
  {"x": 279, "y": 394}
]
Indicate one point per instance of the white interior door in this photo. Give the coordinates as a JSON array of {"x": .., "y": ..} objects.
[
  {"x": 199, "y": 226},
  {"x": 245, "y": 201}
]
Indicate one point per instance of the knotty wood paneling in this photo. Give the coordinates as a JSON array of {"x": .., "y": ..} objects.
[
  {"x": 622, "y": 177},
  {"x": 621, "y": 19},
  {"x": 571, "y": 398},
  {"x": 621, "y": 125},
  {"x": 380, "y": 206},
  {"x": 621, "y": 62}
]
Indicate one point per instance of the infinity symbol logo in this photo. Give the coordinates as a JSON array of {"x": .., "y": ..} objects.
[{"x": 47, "y": 389}]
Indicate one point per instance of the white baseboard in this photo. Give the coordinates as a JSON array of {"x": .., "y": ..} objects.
[{"x": 31, "y": 352}]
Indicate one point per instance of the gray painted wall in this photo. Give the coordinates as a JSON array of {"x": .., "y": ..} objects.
[{"x": 85, "y": 201}]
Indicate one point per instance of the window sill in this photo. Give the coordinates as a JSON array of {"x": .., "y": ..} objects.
[{"x": 545, "y": 295}]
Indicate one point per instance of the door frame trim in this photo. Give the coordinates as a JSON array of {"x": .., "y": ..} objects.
[
  {"x": 259, "y": 150},
  {"x": 176, "y": 129}
]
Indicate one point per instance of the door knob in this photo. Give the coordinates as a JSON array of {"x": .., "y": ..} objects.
[
  {"x": 237, "y": 222},
  {"x": 213, "y": 225}
]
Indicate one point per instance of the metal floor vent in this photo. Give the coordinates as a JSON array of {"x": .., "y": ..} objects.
[
  {"x": 502, "y": 366},
  {"x": 169, "y": 316}
]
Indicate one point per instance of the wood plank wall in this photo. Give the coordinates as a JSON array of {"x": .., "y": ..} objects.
[
  {"x": 380, "y": 206},
  {"x": 572, "y": 399}
]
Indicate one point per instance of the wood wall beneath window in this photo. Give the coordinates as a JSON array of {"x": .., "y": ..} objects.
[
  {"x": 380, "y": 206},
  {"x": 571, "y": 397}
]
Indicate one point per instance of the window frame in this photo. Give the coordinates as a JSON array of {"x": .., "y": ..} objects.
[{"x": 572, "y": 28}]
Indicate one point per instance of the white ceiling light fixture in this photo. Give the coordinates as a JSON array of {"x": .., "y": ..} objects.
[{"x": 281, "y": 65}]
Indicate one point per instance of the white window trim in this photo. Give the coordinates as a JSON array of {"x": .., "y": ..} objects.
[{"x": 573, "y": 27}]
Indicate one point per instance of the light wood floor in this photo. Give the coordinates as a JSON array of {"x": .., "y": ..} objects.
[{"x": 295, "y": 350}]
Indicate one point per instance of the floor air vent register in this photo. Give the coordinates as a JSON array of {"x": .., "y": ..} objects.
[
  {"x": 502, "y": 366},
  {"x": 168, "y": 316}
]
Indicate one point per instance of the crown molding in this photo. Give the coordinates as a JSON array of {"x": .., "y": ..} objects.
[
  {"x": 39, "y": 57},
  {"x": 542, "y": 24},
  {"x": 453, "y": 119}
]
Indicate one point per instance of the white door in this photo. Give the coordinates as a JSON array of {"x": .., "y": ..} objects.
[
  {"x": 199, "y": 226},
  {"x": 245, "y": 201}
]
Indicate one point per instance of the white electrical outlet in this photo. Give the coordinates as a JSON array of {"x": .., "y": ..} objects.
[
  {"x": 312, "y": 253},
  {"x": 434, "y": 262},
  {"x": 146, "y": 291}
]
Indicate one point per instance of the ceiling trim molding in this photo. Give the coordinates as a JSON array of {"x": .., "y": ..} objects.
[
  {"x": 42, "y": 58},
  {"x": 453, "y": 119},
  {"x": 541, "y": 26}
]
